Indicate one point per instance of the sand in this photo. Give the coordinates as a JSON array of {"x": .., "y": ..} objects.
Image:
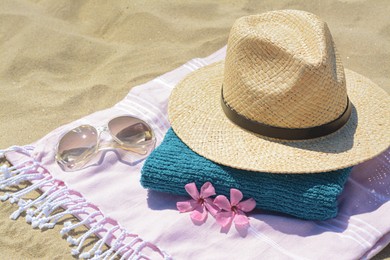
[{"x": 61, "y": 60}]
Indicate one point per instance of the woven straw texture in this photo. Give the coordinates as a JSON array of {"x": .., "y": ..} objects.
[
  {"x": 301, "y": 85},
  {"x": 282, "y": 69},
  {"x": 310, "y": 196}
]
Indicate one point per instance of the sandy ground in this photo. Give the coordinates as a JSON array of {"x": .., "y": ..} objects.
[{"x": 61, "y": 60}]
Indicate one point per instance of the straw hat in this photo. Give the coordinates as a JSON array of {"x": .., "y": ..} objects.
[{"x": 281, "y": 102}]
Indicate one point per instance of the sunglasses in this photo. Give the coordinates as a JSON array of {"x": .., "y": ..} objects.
[{"x": 127, "y": 135}]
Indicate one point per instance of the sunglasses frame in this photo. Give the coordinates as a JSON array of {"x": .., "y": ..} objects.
[{"x": 143, "y": 148}]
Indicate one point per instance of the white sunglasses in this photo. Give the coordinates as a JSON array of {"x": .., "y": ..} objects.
[{"x": 78, "y": 148}]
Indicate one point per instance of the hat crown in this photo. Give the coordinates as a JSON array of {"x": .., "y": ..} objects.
[{"x": 282, "y": 69}]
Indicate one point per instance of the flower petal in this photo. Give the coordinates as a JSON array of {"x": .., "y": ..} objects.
[
  {"x": 192, "y": 190},
  {"x": 199, "y": 215},
  {"x": 186, "y": 206},
  {"x": 223, "y": 203},
  {"x": 207, "y": 190},
  {"x": 235, "y": 196},
  {"x": 224, "y": 218},
  {"x": 247, "y": 205},
  {"x": 241, "y": 220},
  {"x": 211, "y": 207}
]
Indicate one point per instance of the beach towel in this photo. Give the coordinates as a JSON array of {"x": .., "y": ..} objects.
[
  {"x": 308, "y": 196},
  {"x": 137, "y": 222}
]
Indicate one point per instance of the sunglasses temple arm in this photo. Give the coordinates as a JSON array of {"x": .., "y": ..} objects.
[{"x": 139, "y": 150}]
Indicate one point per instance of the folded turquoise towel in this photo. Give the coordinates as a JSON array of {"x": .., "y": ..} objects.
[{"x": 308, "y": 196}]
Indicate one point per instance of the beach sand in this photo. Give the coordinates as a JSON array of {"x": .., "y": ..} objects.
[{"x": 62, "y": 60}]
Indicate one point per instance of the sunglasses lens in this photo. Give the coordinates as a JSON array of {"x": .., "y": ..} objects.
[
  {"x": 76, "y": 147},
  {"x": 130, "y": 131}
]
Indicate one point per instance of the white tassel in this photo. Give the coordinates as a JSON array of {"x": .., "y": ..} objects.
[
  {"x": 15, "y": 197},
  {"x": 26, "y": 150},
  {"x": 9, "y": 171},
  {"x": 58, "y": 194},
  {"x": 68, "y": 226},
  {"x": 24, "y": 167},
  {"x": 4, "y": 169},
  {"x": 123, "y": 247},
  {"x": 137, "y": 250},
  {"x": 136, "y": 253},
  {"x": 5, "y": 196},
  {"x": 41, "y": 183},
  {"x": 29, "y": 215},
  {"x": 129, "y": 248},
  {"x": 17, "y": 179},
  {"x": 51, "y": 221},
  {"x": 96, "y": 250},
  {"x": 117, "y": 243},
  {"x": 74, "y": 241},
  {"x": 80, "y": 241},
  {"x": 26, "y": 205},
  {"x": 79, "y": 202},
  {"x": 40, "y": 219}
]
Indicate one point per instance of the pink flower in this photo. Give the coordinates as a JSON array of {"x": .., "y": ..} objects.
[
  {"x": 200, "y": 203},
  {"x": 233, "y": 210}
]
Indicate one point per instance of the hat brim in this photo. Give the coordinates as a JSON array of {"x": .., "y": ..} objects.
[{"x": 197, "y": 118}]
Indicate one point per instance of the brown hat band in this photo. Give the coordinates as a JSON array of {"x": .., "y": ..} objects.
[{"x": 286, "y": 133}]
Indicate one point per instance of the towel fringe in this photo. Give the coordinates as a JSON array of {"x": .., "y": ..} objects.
[
  {"x": 43, "y": 201},
  {"x": 57, "y": 201},
  {"x": 128, "y": 252},
  {"x": 23, "y": 204},
  {"x": 79, "y": 242},
  {"x": 16, "y": 197},
  {"x": 68, "y": 226},
  {"x": 16, "y": 176},
  {"x": 50, "y": 221},
  {"x": 114, "y": 247},
  {"x": 96, "y": 250}
]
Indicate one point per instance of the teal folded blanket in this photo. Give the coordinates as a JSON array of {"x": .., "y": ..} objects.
[{"x": 308, "y": 196}]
